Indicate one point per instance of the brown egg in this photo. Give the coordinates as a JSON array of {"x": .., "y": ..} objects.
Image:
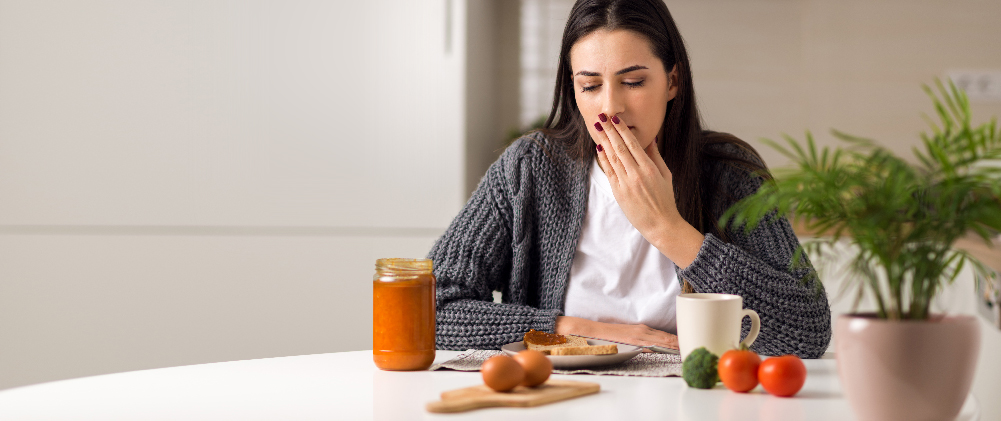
[
  {"x": 502, "y": 373},
  {"x": 537, "y": 367}
]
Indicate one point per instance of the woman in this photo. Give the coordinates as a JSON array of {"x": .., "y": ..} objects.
[{"x": 593, "y": 225}]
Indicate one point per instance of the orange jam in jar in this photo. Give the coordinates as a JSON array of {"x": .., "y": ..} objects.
[{"x": 403, "y": 313}]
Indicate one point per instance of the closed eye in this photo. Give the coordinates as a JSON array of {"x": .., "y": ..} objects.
[{"x": 629, "y": 84}]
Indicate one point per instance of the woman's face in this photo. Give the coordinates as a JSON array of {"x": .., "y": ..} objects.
[{"x": 617, "y": 73}]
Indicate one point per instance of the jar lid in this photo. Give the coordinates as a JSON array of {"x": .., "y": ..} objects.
[{"x": 404, "y": 265}]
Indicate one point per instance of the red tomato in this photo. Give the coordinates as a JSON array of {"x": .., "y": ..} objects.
[
  {"x": 782, "y": 376},
  {"x": 738, "y": 369}
]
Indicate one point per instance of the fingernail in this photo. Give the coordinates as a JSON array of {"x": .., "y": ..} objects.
[
  {"x": 599, "y": 147},
  {"x": 597, "y": 127},
  {"x": 602, "y": 117},
  {"x": 615, "y": 119}
]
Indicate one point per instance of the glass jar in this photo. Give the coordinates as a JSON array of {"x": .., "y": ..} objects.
[{"x": 403, "y": 312}]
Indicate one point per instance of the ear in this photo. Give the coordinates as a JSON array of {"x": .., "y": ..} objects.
[{"x": 672, "y": 83}]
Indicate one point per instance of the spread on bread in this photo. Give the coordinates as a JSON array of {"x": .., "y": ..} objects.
[
  {"x": 554, "y": 344},
  {"x": 543, "y": 338}
]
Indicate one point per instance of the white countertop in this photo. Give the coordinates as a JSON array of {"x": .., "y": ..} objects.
[{"x": 347, "y": 386}]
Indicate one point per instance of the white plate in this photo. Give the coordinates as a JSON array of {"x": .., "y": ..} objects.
[{"x": 582, "y": 361}]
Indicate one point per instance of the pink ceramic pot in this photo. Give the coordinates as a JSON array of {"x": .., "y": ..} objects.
[{"x": 906, "y": 370}]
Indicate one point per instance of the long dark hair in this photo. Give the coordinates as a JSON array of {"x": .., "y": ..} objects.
[{"x": 684, "y": 141}]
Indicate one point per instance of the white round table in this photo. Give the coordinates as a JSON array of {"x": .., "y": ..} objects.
[{"x": 347, "y": 386}]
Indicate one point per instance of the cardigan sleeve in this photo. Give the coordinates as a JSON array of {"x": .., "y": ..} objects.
[
  {"x": 473, "y": 258},
  {"x": 793, "y": 307}
]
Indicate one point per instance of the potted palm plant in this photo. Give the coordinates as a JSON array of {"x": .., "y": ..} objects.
[{"x": 901, "y": 360}]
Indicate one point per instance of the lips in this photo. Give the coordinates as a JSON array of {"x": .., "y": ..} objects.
[{"x": 631, "y": 127}]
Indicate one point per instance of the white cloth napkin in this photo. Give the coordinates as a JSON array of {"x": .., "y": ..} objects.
[{"x": 642, "y": 365}]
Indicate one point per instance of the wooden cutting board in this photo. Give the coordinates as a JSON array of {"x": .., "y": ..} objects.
[{"x": 481, "y": 396}]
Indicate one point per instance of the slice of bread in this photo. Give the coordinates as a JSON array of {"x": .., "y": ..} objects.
[
  {"x": 609, "y": 349},
  {"x": 574, "y": 345},
  {"x": 572, "y": 341}
]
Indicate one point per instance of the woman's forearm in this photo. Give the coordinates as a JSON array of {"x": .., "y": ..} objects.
[
  {"x": 637, "y": 334},
  {"x": 679, "y": 241},
  {"x": 465, "y": 324},
  {"x": 795, "y": 315}
]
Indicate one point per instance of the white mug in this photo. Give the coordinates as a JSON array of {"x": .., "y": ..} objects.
[{"x": 713, "y": 321}]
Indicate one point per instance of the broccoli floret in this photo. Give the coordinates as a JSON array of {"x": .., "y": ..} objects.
[{"x": 699, "y": 369}]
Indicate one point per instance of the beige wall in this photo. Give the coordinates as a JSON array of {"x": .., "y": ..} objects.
[
  {"x": 764, "y": 68},
  {"x": 492, "y": 83}
]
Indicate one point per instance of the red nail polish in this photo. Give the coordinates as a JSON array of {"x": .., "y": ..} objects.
[
  {"x": 597, "y": 126},
  {"x": 615, "y": 119},
  {"x": 599, "y": 147},
  {"x": 602, "y": 117}
]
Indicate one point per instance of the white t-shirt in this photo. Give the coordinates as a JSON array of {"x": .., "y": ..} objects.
[{"x": 617, "y": 275}]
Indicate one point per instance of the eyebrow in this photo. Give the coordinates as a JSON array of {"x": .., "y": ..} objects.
[{"x": 620, "y": 72}]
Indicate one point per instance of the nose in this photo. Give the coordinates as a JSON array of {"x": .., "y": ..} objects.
[{"x": 613, "y": 103}]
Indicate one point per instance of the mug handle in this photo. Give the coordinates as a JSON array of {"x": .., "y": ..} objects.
[{"x": 755, "y": 326}]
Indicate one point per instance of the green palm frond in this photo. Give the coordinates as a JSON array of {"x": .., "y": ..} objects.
[{"x": 903, "y": 218}]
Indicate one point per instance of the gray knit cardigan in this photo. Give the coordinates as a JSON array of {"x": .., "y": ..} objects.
[{"x": 518, "y": 234}]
